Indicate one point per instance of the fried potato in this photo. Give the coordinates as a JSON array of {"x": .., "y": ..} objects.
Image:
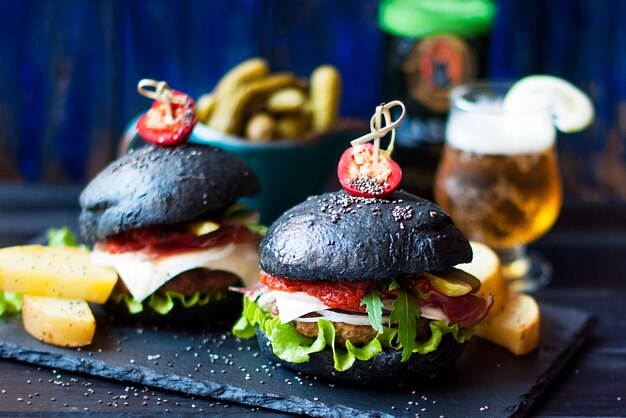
[
  {"x": 61, "y": 322},
  {"x": 64, "y": 272},
  {"x": 485, "y": 266},
  {"x": 513, "y": 321},
  {"x": 517, "y": 327}
]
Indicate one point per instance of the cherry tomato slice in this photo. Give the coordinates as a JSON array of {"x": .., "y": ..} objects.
[
  {"x": 361, "y": 176},
  {"x": 153, "y": 128}
]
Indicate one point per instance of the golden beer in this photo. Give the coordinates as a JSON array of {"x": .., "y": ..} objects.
[
  {"x": 498, "y": 176},
  {"x": 503, "y": 200}
]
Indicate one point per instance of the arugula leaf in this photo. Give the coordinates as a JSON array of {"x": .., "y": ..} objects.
[
  {"x": 374, "y": 308},
  {"x": 405, "y": 311},
  {"x": 394, "y": 285}
]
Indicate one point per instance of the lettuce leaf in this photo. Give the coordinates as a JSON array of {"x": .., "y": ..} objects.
[
  {"x": 289, "y": 345},
  {"x": 10, "y": 303},
  {"x": 164, "y": 304},
  {"x": 62, "y": 237},
  {"x": 238, "y": 211},
  {"x": 256, "y": 228}
]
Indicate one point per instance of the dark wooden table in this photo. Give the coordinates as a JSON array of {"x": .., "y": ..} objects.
[{"x": 587, "y": 248}]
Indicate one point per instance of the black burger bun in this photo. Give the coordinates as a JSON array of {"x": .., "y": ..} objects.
[
  {"x": 158, "y": 185},
  {"x": 383, "y": 369},
  {"x": 336, "y": 236}
]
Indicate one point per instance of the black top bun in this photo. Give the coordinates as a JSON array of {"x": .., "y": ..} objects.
[
  {"x": 336, "y": 236},
  {"x": 157, "y": 185}
]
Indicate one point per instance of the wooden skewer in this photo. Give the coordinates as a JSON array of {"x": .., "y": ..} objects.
[
  {"x": 377, "y": 132},
  {"x": 162, "y": 92}
]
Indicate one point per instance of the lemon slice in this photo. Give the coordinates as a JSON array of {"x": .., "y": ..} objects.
[{"x": 572, "y": 109}]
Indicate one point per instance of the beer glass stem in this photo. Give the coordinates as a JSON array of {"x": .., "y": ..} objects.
[
  {"x": 512, "y": 254},
  {"x": 522, "y": 271}
]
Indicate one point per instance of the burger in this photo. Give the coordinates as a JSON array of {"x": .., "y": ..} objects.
[
  {"x": 362, "y": 289},
  {"x": 169, "y": 221}
]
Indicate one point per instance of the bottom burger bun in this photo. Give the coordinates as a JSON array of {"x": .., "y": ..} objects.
[
  {"x": 384, "y": 368},
  {"x": 224, "y": 310}
]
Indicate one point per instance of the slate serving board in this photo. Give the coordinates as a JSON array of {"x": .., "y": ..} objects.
[{"x": 486, "y": 381}]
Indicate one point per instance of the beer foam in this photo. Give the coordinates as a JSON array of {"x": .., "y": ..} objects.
[{"x": 498, "y": 133}]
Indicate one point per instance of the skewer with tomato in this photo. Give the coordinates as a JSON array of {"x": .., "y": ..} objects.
[
  {"x": 170, "y": 119},
  {"x": 364, "y": 169}
]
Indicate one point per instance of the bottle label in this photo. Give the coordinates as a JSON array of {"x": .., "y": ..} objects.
[{"x": 434, "y": 66}]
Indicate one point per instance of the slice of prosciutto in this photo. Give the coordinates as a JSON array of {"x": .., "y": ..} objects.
[{"x": 466, "y": 311}]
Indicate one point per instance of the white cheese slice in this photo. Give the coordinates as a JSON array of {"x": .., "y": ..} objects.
[
  {"x": 143, "y": 275},
  {"x": 292, "y": 305}
]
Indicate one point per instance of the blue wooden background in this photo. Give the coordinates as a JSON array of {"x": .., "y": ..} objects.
[{"x": 69, "y": 68}]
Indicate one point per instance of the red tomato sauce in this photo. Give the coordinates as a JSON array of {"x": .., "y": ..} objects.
[{"x": 337, "y": 295}]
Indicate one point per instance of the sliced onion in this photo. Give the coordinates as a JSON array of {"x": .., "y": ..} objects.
[
  {"x": 428, "y": 312},
  {"x": 265, "y": 299},
  {"x": 431, "y": 312},
  {"x": 333, "y": 316},
  {"x": 266, "y": 296}
]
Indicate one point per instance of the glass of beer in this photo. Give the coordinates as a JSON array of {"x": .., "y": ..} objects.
[{"x": 498, "y": 177}]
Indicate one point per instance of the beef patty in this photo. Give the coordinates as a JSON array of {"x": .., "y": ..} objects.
[
  {"x": 197, "y": 280},
  {"x": 358, "y": 335}
]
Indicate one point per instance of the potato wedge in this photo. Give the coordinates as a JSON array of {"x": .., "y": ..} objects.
[
  {"x": 517, "y": 327},
  {"x": 65, "y": 272},
  {"x": 485, "y": 266},
  {"x": 61, "y": 322}
]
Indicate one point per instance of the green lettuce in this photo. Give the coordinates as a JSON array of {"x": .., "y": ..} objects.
[
  {"x": 163, "y": 304},
  {"x": 10, "y": 303},
  {"x": 238, "y": 211},
  {"x": 291, "y": 346},
  {"x": 62, "y": 237}
]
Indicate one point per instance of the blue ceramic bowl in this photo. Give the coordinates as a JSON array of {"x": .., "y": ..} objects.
[{"x": 289, "y": 171}]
